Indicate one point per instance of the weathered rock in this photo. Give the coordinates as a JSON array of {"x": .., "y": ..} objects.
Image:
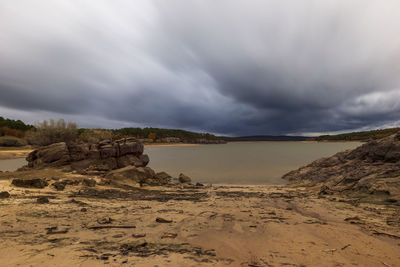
[
  {"x": 59, "y": 186},
  {"x": 138, "y": 235},
  {"x": 373, "y": 169},
  {"x": 163, "y": 177},
  {"x": 128, "y": 160},
  {"x": 53, "y": 155},
  {"x": 144, "y": 160},
  {"x": 4, "y": 194},
  {"x": 137, "y": 174},
  {"x": 162, "y": 220},
  {"x": 105, "y": 220},
  {"x": 169, "y": 235},
  {"x": 184, "y": 178},
  {"x": 42, "y": 200},
  {"x": 89, "y": 182},
  {"x": 325, "y": 190},
  {"x": 30, "y": 183},
  {"x": 104, "y": 156},
  {"x": 78, "y": 152}
]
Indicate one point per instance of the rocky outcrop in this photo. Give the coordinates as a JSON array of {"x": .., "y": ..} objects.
[
  {"x": 104, "y": 156},
  {"x": 372, "y": 169},
  {"x": 120, "y": 161}
]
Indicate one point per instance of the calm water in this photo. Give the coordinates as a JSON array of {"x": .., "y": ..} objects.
[
  {"x": 240, "y": 163},
  {"x": 12, "y": 164},
  {"x": 232, "y": 163}
]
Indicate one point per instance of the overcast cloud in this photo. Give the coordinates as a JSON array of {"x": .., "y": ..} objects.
[{"x": 228, "y": 67}]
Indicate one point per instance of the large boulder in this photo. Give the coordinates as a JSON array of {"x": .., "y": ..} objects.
[
  {"x": 54, "y": 155},
  {"x": 104, "y": 156}
]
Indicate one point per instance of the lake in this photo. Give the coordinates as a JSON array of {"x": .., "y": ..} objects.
[
  {"x": 241, "y": 162},
  {"x": 232, "y": 163}
]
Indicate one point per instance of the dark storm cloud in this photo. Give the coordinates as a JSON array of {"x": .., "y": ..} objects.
[{"x": 232, "y": 67}]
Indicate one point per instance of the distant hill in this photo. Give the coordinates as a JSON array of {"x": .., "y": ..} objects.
[
  {"x": 358, "y": 136},
  {"x": 159, "y": 133},
  {"x": 266, "y": 138}
]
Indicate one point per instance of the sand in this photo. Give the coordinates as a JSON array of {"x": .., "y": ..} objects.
[
  {"x": 219, "y": 225},
  {"x": 169, "y": 144},
  {"x": 14, "y": 153}
]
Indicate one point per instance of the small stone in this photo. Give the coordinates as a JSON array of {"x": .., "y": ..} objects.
[
  {"x": 59, "y": 186},
  {"x": 105, "y": 220},
  {"x": 30, "y": 183},
  {"x": 42, "y": 200},
  {"x": 138, "y": 235},
  {"x": 89, "y": 182},
  {"x": 162, "y": 220},
  {"x": 118, "y": 236},
  {"x": 104, "y": 257},
  {"x": 169, "y": 235},
  {"x": 4, "y": 194},
  {"x": 184, "y": 178}
]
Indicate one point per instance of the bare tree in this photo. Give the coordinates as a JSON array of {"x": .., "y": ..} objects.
[{"x": 49, "y": 132}]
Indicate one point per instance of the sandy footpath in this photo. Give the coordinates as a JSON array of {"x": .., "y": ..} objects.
[{"x": 124, "y": 225}]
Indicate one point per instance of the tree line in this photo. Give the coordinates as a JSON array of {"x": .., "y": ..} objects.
[
  {"x": 359, "y": 136},
  {"x": 52, "y": 131}
]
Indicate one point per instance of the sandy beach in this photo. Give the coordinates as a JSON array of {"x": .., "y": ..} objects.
[
  {"x": 167, "y": 144},
  {"x": 121, "y": 224}
]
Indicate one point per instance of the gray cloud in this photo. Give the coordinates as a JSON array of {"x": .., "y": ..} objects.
[{"x": 229, "y": 67}]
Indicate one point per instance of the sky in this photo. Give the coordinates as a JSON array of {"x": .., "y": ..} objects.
[{"x": 227, "y": 67}]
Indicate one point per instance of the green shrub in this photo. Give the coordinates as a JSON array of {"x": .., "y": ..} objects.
[{"x": 12, "y": 141}]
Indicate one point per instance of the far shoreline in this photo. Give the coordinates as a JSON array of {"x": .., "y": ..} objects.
[{"x": 168, "y": 144}]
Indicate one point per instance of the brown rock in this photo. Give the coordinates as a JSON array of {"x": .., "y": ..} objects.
[
  {"x": 163, "y": 177},
  {"x": 139, "y": 175},
  {"x": 59, "y": 186},
  {"x": 89, "y": 182},
  {"x": 169, "y": 235},
  {"x": 42, "y": 200},
  {"x": 30, "y": 183},
  {"x": 4, "y": 194},
  {"x": 162, "y": 220},
  {"x": 184, "y": 178},
  {"x": 53, "y": 155}
]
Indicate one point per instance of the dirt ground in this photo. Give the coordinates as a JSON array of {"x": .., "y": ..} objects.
[{"x": 125, "y": 225}]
